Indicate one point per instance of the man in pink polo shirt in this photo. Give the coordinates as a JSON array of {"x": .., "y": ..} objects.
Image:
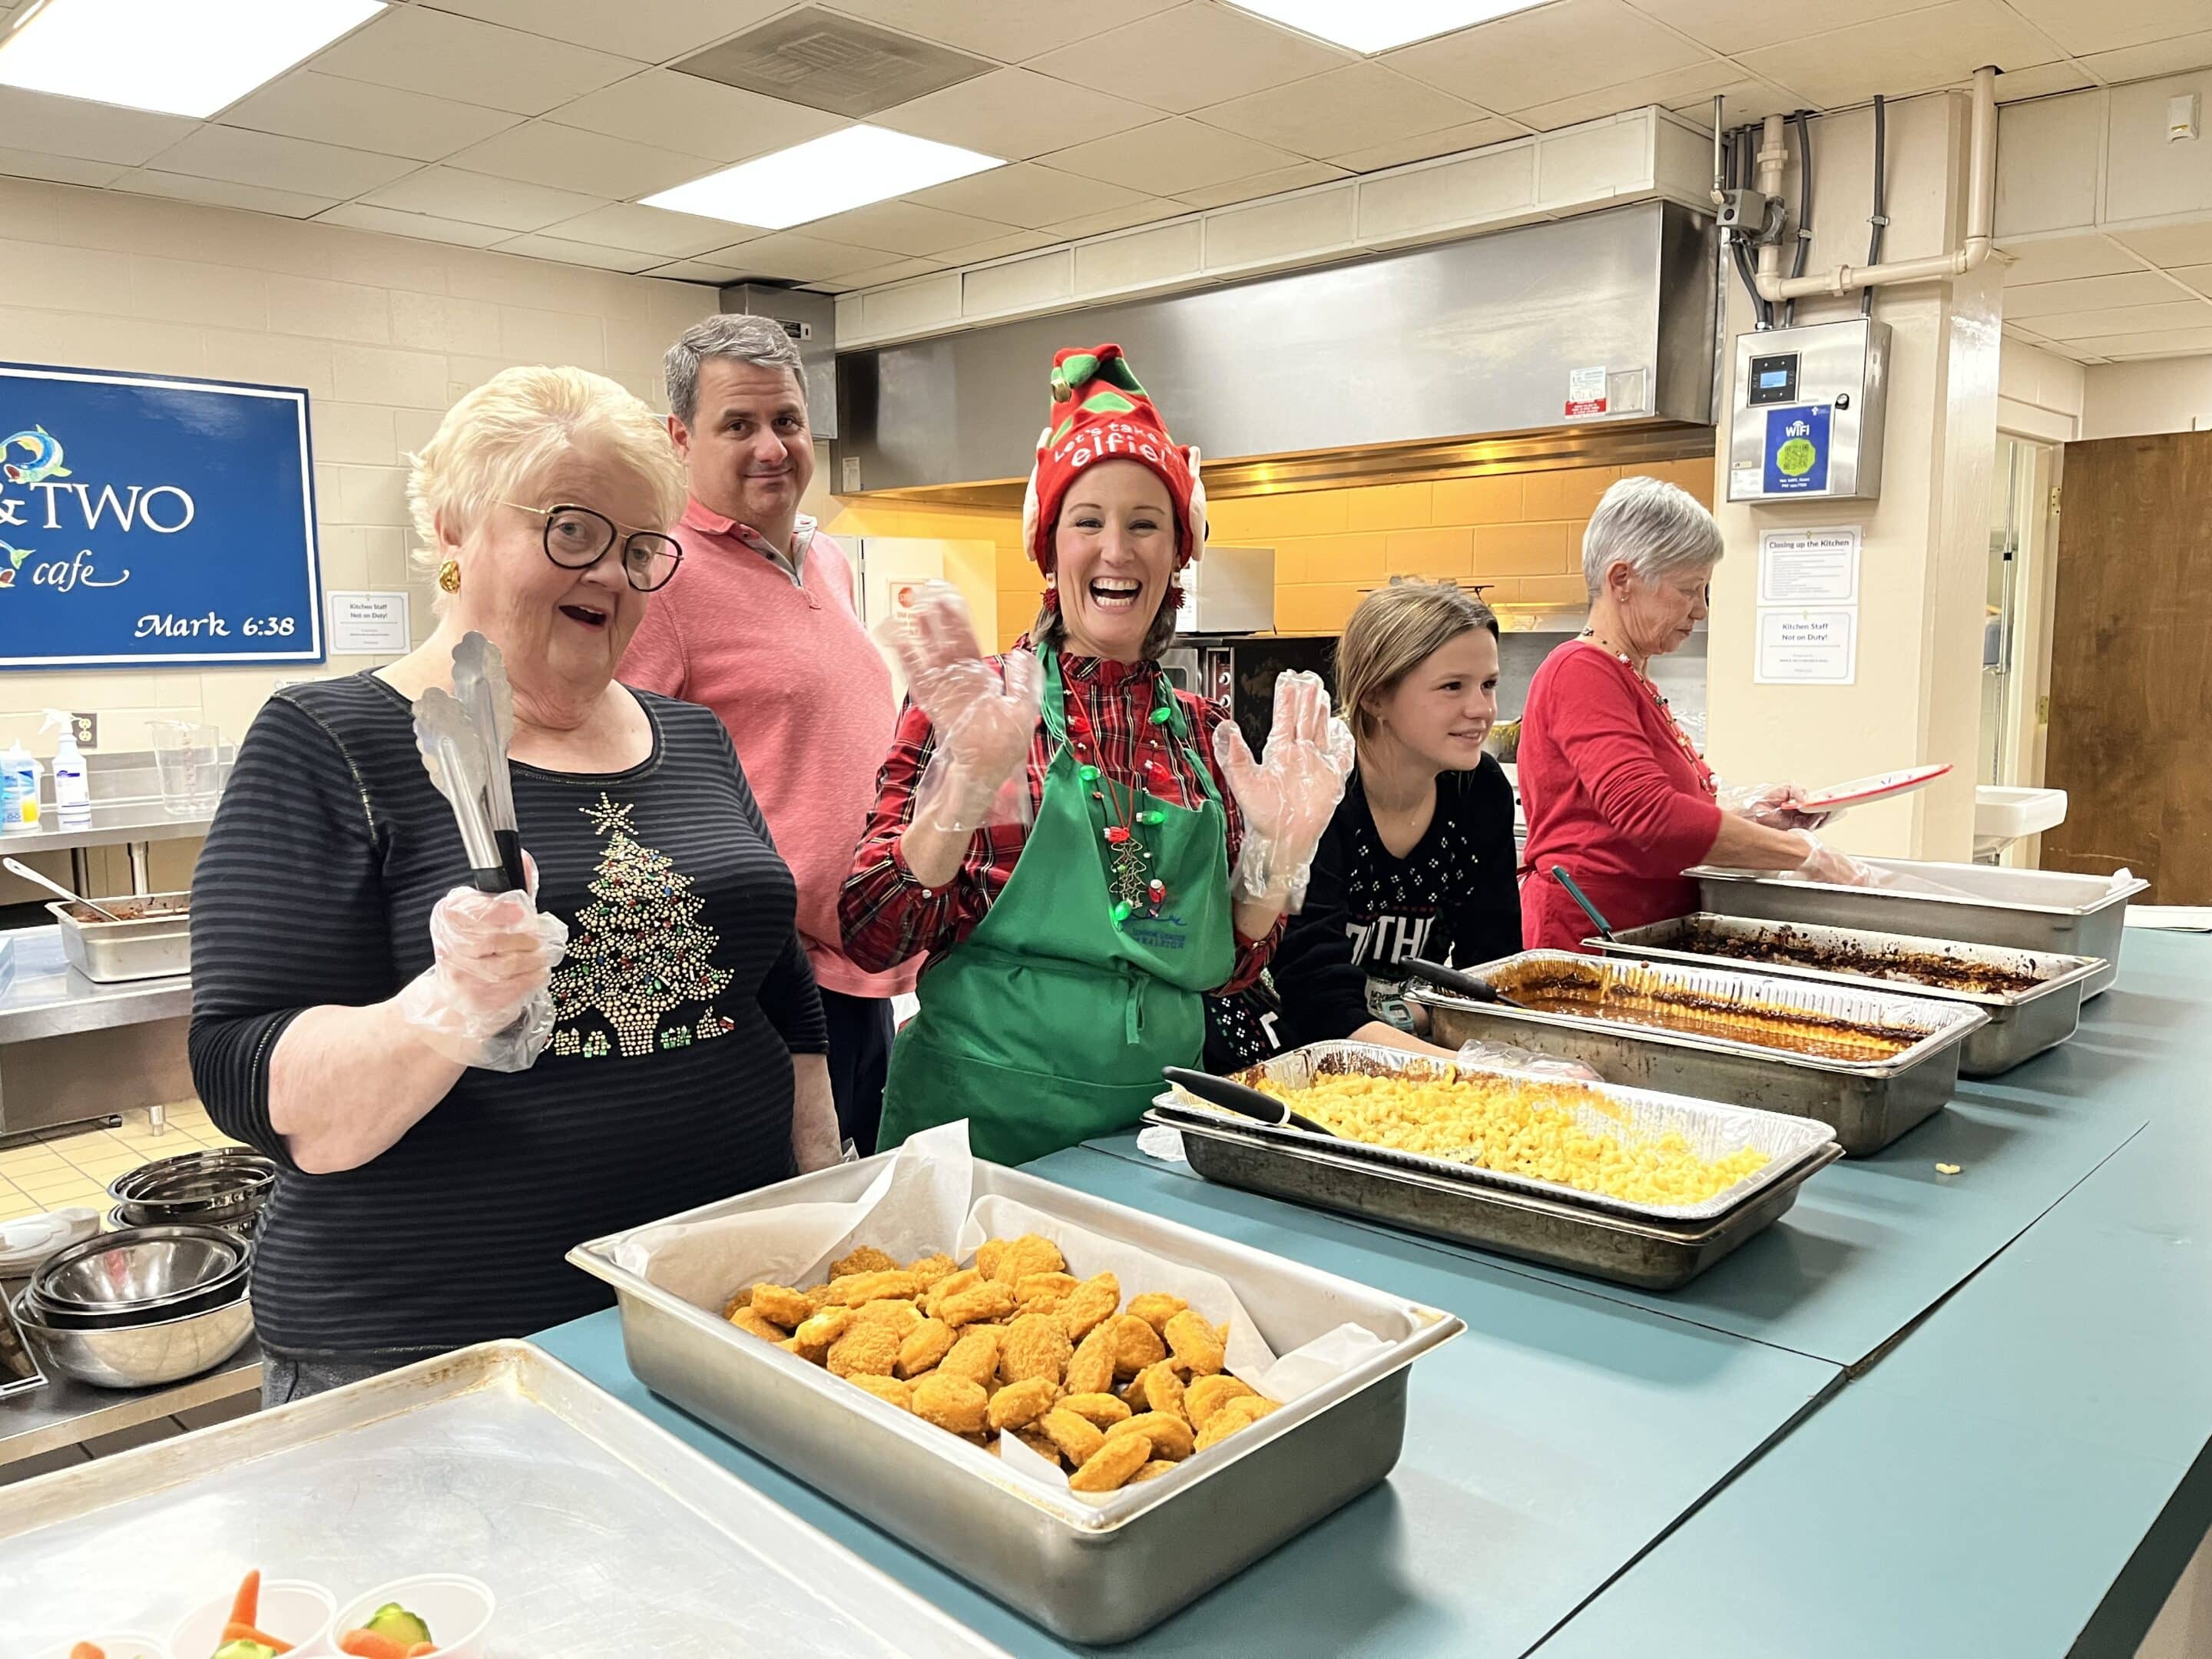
[{"x": 758, "y": 625}]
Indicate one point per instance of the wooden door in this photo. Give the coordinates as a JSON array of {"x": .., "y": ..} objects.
[{"x": 2131, "y": 664}]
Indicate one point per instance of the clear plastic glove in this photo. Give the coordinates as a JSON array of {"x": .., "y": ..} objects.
[
  {"x": 1288, "y": 798},
  {"x": 1824, "y": 864},
  {"x": 1774, "y": 805},
  {"x": 1480, "y": 1056},
  {"x": 983, "y": 720},
  {"x": 486, "y": 1000}
]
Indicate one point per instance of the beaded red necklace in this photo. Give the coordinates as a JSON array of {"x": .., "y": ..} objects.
[
  {"x": 1131, "y": 809},
  {"x": 1659, "y": 697}
]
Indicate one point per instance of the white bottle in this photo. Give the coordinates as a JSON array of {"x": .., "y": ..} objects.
[{"x": 72, "y": 791}]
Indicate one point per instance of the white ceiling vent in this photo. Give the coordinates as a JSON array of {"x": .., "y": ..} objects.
[{"x": 826, "y": 62}]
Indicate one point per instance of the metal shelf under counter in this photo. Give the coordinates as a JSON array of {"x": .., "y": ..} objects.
[{"x": 74, "y": 1050}]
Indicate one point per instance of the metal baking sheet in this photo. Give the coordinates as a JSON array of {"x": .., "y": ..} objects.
[
  {"x": 600, "y": 1532},
  {"x": 2022, "y": 1023},
  {"x": 1869, "y": 1104},
  {"x": 1711, "y": 1129},
  {"x": 1095, "y": 1570},
  {"x": 1623, "y": 1250},
  {"x": 1981, "y": 904}
]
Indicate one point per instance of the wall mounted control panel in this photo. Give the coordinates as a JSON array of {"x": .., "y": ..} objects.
[{"x": 1806, "y": 424}]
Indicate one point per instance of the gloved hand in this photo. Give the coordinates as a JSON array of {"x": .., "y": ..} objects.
[
  {"x": 1824, "y": 864},
  {"x": 1774, "y": 805},
  {"x": 486, "y": 1001},
  {"x": 983, "y": 720},
  {"x": 1288, "y": 798}
]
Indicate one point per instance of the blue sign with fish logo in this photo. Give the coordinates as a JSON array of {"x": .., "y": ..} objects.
[{"x": 152, "y": 520}]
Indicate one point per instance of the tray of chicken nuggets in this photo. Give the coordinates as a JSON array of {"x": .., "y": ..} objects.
[{"x": 1037, "y": 1401}]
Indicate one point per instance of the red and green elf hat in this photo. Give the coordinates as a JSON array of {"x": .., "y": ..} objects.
[{"x": 1101, "y": 413}]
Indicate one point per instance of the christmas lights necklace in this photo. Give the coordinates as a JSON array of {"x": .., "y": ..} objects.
[{"x": 1130, "y": 810}]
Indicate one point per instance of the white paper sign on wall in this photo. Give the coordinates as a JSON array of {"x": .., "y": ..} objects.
[
  {"x": 367, "y": 624},
  {"x": 1808, "y": 646},
  {"x": 1809, "y": 567}
]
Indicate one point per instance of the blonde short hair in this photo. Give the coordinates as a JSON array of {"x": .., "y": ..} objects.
[
  {"x": 1391, "y": 632},
  {"x": 500, "y": 436}
]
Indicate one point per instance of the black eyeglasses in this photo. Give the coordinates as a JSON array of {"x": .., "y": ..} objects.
[{"x": 576, "y": 539}]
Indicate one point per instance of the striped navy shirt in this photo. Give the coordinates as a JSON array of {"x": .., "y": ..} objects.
[{"x": 668, "y": 1082}]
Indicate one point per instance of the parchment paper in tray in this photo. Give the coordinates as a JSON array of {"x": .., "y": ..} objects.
[{"x": 924, "y": 1202}]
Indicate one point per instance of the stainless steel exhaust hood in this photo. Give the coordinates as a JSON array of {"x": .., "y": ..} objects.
[{"x": 1583, "y": 340}]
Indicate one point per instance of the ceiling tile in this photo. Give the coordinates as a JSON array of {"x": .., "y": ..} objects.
[
  {"x": 59, "y": 169},
  {"x": 2198, "y": 277},
  {"x": 1143, "y": 211},
  {"x": 275, "y": 162},
  {"x": 2063, "y": 258},
  {"x": 1922, "y": 50},
  {"x": 2014, "y": 331},
  {"x": 902, "y": 228},
  {"x": 694, "y": 116},
  {"x": 89, "y": 131},
  {"x": 578, "y": 253},
  {"x": 1542, "y": 55},
  {"x": 697, "y": 271},
  {"x": 813, "y": 55},
  {"x": 2015, "y": 85},
  {"x": 477, "y": 199},
  {"x": 2167, "y": 343},
  {"x": 223, "y": 193},
  {"x": 2175, "y": 57},
  {"x": 2171, "y": 245},
  {"x": 2108, "y": 25},
  {"x": 1171, "y": 156},
  {"x": 1311, "y": 117},
  {"x": 1015, "y": 113},
  {"x": 650, "y": 30},
  {"x": 1010, "y": 31},
  {"x": 417, "y": 49},
  {"x": 1025, "y": 194},
  {"x": 1697, "y": 82},
  {"x": 2029, "y": 302},
  {"x": 1271, "y": 183},
  {"x": 569, "y": 158},
  {"x": 632, "y": 225},
  {"x": 1195, "y": 55},
  {"x": 877, "y": 275},
  {"x": 2126, "y": 320},
  {"x": 790, "y": 257},
  {"x": 332, "y": 110},
  {"x": 1373, "y": 158},
  {"x": 1000, "y": 247},
  {"x": 1743, "y": 25},
  {"x": 360, "y": 215},
  {"x": 1747, "y": 101}
]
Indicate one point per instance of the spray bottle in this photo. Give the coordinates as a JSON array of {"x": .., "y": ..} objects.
[
  {"x": 72, "y": 790},
  {"x": 19, "y": 790}
]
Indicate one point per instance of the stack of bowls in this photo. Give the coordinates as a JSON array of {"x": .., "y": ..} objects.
[
  {"x": 144, "y": 1306},
  {"x": 224, "y": 1188}
]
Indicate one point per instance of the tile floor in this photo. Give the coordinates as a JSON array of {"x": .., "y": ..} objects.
[{"x": 68, "y": 1166}]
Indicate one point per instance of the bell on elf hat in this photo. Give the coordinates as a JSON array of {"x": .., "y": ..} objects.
[{"x": 1100, "y": 412}]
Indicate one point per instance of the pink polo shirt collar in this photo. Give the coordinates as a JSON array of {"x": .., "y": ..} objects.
[{"x": 700, "y": 517}]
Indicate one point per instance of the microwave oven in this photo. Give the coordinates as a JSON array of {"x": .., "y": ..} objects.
[{"x": 1231, "y": 590}]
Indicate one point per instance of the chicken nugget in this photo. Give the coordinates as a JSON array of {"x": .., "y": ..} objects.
[
  {"x": 1030, "y": 1254},
  {"x": 1074, "y": 1438},
  {"x": 742, "y": 1299},
  {"x": 1090, "y": 1371},
  {"x": 886, "y": 1388},
  {"x": 988, "y": 1254},
  {"x": 1020, "y": 1404},
  {"x": 1101, "y": 1409},
  {"x": 951, "y": 1284},
  {"x": 925, "y": 1347},
  {"x": 929, "y": 1269},
  {"x": 1158, "y": 1389},
  {"x": 901, "y": 1317},
  {"x": 951, "y": 1402},
  {"x": 778, "y": 1303},
  {"x": 1033, "y": 1287},
  {"x": 1136, "y": 1345},
  {"x": 1034, "y": 1345},
  {"x": 823, "y": 1328},
  {"x": 866, "y": 1260},
  {"x": 1152, "y": 1471},
  {"x": 1196, "y": 1345},
  {"x": 1090, "y": 1305},
  {"x": 1109, "y": 1467},
  {"x": 870, "y": 1350},
  {"x": 1239, "y": 1413},
  {"x": 979, "y": 1304},
  {"x": 1171, "y": 1437},
  {"x": 1155, "y": 1308},
  {"x": 751, "y": 1322},
  {"x": 1040, "y": 1443},
  {"x": 823, "y": 1295},
  {"x": 895, "y": 1283},
  {"x": 1207, "y": 1395},
  {"x": 974, "y": 1356}
]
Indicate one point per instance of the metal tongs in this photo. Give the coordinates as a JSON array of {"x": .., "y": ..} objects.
[{"x": 464, "y": 736}]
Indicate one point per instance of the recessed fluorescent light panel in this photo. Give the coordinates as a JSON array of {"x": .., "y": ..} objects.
[
  {"x": 1373, "y": 25},
  {"x": 826, "y": 175},
  {"x": 179, "y": 57}
]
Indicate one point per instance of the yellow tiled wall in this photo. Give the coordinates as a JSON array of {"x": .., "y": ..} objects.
[{"x": 1520, "y": 533}]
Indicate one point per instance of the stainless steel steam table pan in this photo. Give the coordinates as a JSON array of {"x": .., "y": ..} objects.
[{"x": 154, "y": 941}]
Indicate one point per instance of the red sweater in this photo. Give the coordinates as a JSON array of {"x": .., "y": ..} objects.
[{"x": 1610, "y": 791}]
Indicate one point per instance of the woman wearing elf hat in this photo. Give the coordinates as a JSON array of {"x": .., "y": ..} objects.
[{"x": 1082, "y": 851}]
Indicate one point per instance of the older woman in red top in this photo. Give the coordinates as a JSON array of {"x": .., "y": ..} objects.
[{"x": 1614, "y": 789}]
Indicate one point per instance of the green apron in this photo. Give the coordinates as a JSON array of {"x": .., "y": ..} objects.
[{"x": 1049, "y": 1023}]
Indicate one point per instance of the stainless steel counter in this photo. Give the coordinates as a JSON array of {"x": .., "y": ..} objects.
[
  {"x": 116, "y": 823},
  {"x": 50, "y": 999}
]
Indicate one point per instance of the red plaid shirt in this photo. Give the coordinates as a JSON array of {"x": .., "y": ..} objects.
[{"x": 888, "y": 917}]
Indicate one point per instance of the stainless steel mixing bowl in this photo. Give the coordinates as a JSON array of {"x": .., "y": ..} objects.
[
  {"x": 143, "y": 1356},
  {"x": 137, "y": 1269},
  {"x": 211, "y": 1188}
]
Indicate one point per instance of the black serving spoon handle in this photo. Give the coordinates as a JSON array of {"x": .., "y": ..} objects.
[{"x": 1237, "y": 1097}]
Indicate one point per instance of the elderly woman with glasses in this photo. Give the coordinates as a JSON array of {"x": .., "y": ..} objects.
[
  {"x": 452, "y": 1105},
  {"x": 1613, "y": 790}
]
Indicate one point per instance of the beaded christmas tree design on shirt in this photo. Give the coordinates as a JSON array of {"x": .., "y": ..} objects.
[{"x": 640, "y": 954}]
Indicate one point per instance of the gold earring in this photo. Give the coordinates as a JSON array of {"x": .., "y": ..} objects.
[{"x": 449, "y": 576}]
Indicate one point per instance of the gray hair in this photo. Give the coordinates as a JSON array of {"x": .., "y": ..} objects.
[
  {"x": 1654, "y": 527},
  {"x": 760, "y": 341}
]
